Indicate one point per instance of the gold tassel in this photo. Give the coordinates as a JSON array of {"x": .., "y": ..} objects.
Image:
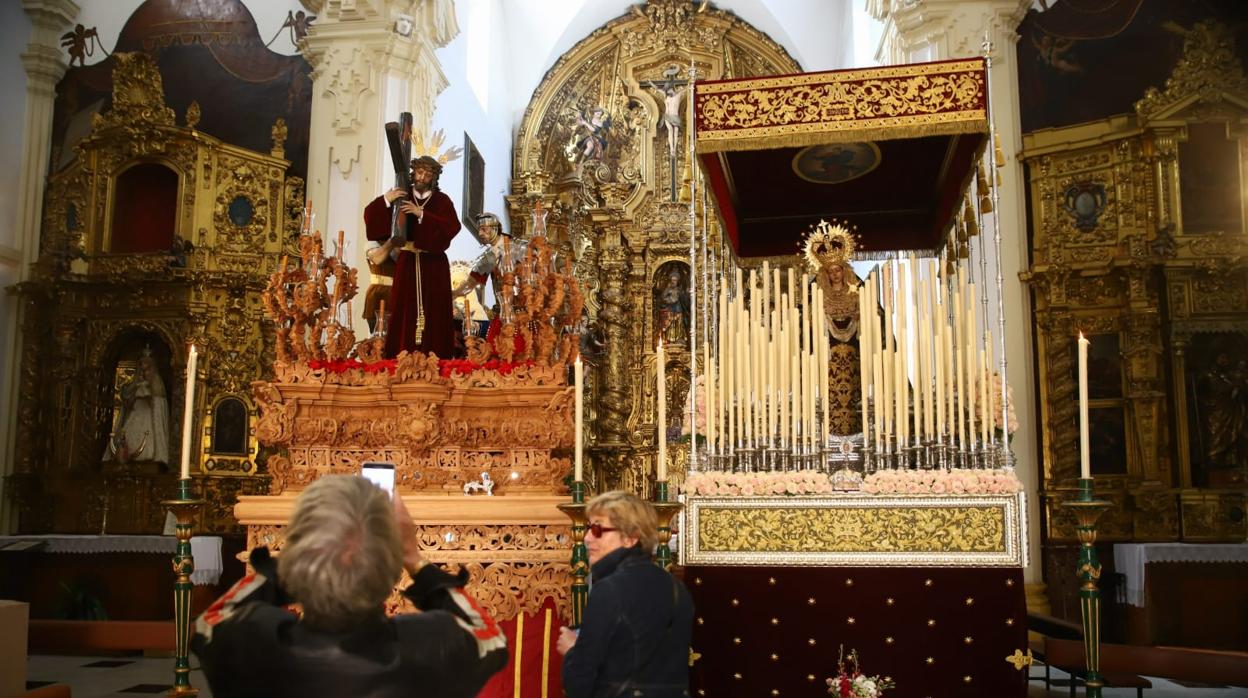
[{"x": 996, "y": 149}]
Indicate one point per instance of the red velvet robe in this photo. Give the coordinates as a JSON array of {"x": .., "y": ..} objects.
[{"x": 432, "y": 236}]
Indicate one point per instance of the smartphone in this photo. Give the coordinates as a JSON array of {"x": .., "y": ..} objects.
[{"x": 380, "y": 474}]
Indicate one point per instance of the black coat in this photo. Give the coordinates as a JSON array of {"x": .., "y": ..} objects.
[
  {"x": 636, "y": 632},
  {"x": 249, "y": 644}
]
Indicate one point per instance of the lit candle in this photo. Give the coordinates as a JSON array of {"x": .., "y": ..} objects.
[
  {"x": 578, "y": 374},
  {"x": 661, "y": 394},
  {"x": 188, "y": 416},
  {"x": 1085, "y": 466}
]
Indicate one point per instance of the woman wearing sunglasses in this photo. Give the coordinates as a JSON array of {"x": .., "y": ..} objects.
[{"x": 634, "y": 640}]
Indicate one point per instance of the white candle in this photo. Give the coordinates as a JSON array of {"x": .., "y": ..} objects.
[
  {"x": 708, "y": 370},
  {"x": 1085, "y": 466},
  {"x": 661, "y": 394},
  {"x": 578, "y": 374},
  {"x": 864, "y": 363},
  {"x": 969, "y": 350},
  {"x": 188, "y": 416}
]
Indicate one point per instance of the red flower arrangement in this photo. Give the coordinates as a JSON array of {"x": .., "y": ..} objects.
[{"x": 344, "y": 365}]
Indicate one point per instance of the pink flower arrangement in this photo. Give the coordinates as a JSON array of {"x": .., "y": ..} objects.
[
  {"x": 700, "y": 408},
  {"x": 720, "y": 484},
  {"x": 956, "y": 481}
]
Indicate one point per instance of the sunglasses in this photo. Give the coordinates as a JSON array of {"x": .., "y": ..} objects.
[{"x": 598, "y": 529}]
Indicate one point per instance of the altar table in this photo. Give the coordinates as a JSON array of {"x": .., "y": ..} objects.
[
  {"x": 1190, "y": 595},
  {"x": 131, "y": 575}
]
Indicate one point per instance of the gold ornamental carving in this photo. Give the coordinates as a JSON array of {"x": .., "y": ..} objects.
[
  {"x": 513, "y": 569},
  {"x": 914, "y": 529},
  {"x": 1113, "y": 257},
  {"x": 924, "y": 99},
  {"x": 889, "y": 531},
  {"x": 98, "y": 305},
  {"x": 1209, "y": 69}
]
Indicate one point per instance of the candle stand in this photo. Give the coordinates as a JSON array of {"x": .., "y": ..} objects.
[
  {"x": 575, "y": 510},
  {"x": 1087, "y": 510},
  {"x": 185, "y": 506},
  {"x": 666, "y": 510}
]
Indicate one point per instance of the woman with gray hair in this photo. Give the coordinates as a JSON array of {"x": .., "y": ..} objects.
[
  {"x": 635, "y": 637},
  {"x": 346, "y": 545}
]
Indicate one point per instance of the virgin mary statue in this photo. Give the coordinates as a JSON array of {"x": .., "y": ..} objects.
[{"x": 143, "y": 434}]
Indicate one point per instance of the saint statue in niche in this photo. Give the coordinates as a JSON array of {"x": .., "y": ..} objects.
[
  {"x": 141, "y": 433},
  {"x": 828, "y": 250},
  {"x": 1222, "y": 404},
  {"x": 671, "y": 303}
]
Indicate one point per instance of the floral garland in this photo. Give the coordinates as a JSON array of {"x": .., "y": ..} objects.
[
  {"x": 446, "y": 367},
  {"x": 956, "y": 481},
  {"x": 720, "y": 484}
]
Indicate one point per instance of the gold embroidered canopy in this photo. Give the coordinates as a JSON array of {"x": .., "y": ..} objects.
[{"x": 887, "y": 149}]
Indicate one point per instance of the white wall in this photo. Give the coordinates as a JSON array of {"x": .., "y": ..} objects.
[{"x": 459, "y": 111}]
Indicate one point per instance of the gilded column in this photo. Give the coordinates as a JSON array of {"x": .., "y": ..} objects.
[
  {"x": 45, "y": 65},
  {"x": 614, "y": 402}
]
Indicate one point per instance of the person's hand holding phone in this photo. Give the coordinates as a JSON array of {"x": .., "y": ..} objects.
[{"x": 413, "y": 561}]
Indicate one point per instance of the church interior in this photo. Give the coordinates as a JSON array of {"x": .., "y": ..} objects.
[{"x": 923, "y": 325}]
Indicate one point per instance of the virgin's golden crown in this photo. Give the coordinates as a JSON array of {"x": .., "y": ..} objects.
[{"x": 828, "y": 244}]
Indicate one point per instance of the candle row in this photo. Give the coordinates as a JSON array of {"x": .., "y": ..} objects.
[
  {"x": 767, "y": 385},
  {"x": 927, "y": 378}
]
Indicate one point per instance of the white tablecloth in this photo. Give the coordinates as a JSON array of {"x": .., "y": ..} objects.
[
  {"x": 206, "y": 550},
  {"x": 1130, "y": 559}
]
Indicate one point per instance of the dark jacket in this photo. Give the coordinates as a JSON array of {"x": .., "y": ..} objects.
[
  {"x": 249, "y": 644},
  {"x": 636, "y": 633}
]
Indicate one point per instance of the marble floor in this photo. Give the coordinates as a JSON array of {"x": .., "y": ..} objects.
[{"x": 133, "y": 676}]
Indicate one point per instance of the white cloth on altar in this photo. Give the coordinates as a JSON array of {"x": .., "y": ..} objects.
[
  {"x": 206, "y": 550},
  {"x": 1131, "y": 558}
]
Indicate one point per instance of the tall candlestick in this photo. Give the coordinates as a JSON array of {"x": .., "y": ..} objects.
[
  {"x": 188, "y": 416},
  {"x": 1085, "y": 464},
  {"x": 959, "y": 314},
  {"x": 972, "y": 328},
  {"x": 708, "y": 370},
  {"x": 985, "y": 408},
  {"x": 578, "y": 379},
  {"x": 661, "y": 394}
]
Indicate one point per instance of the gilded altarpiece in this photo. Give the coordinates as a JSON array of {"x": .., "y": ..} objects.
[
  {"x": 1139, "y": 242},
  {"x": 603, "y": 145},
  {"x": 93, "y": 312}
]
